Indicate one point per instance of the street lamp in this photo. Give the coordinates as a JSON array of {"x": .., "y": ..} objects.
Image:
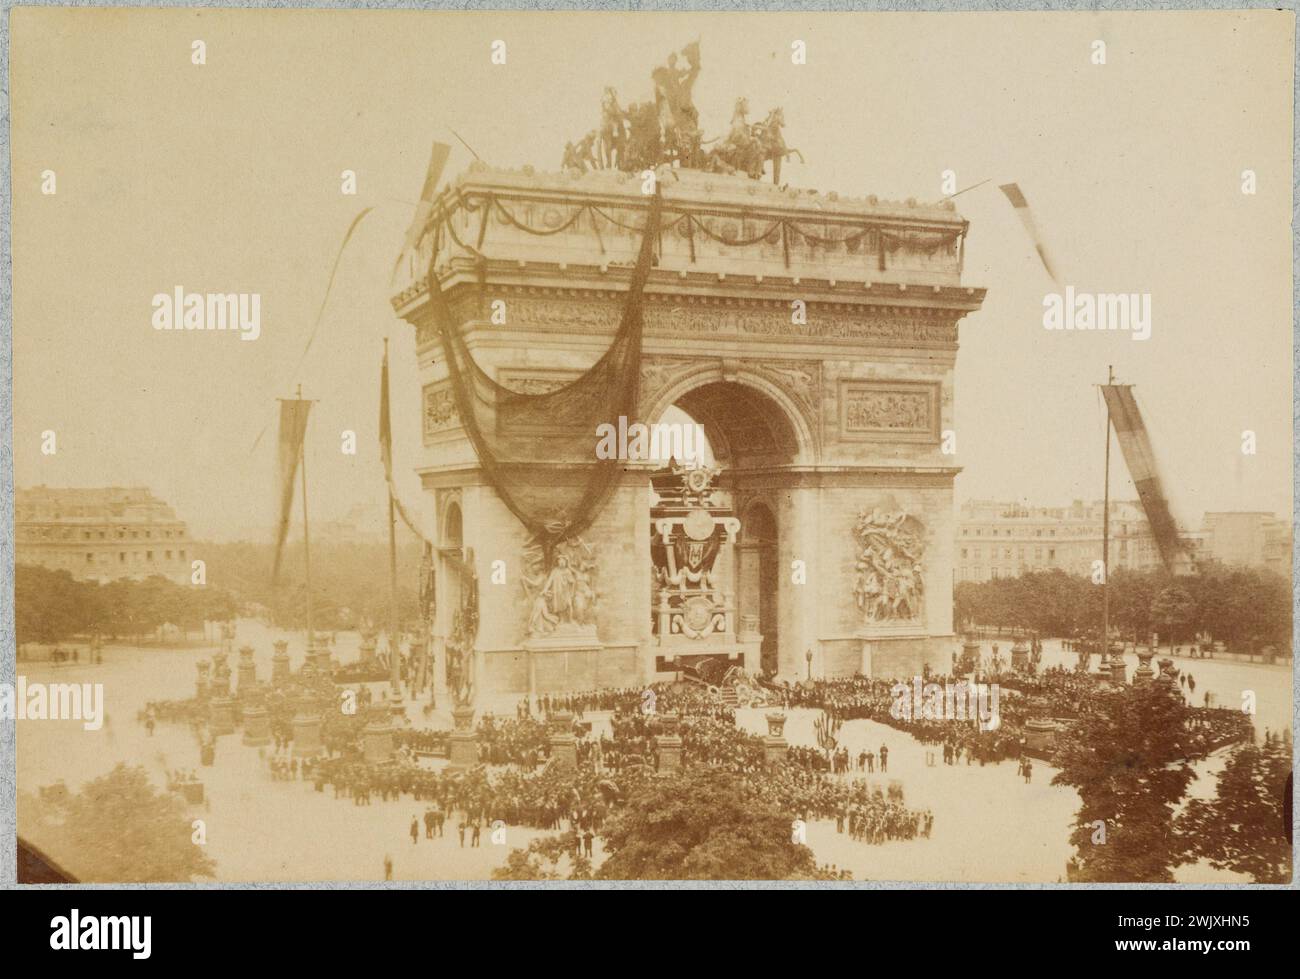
[{"x": 808, "y": 657}]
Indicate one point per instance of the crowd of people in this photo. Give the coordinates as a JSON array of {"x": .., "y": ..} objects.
[{"x": 860, "y": 697}]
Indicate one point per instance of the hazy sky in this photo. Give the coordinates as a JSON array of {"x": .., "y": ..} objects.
[{"x": 225, "y": 178}]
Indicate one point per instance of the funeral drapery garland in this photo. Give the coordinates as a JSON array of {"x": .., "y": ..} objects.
[
  {"x": 538, "y": 451},
  {"x": 876, "y": 236}
]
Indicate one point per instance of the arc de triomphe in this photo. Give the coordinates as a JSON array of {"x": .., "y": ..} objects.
[{"x": 814, "y": 337}]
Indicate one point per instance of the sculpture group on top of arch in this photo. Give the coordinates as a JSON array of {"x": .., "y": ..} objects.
[{"x": 667, "y": 130}]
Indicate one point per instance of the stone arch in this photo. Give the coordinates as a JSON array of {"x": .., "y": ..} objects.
[
  {"x": 451, "y": 522},
  {"x": 731, "y": 403}
]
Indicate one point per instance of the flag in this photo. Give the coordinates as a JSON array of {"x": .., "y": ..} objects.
[
  {"x": 1135, "y": 443},
  {"x": 1018, "y": 201},
  {"x": 386, "y": 451},
  {"x": 424, "y": 209},
  {"x": 385, "y": 423},
  {"x": 293, "y": 426}
]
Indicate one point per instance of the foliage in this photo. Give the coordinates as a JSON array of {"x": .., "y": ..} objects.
[
  {"x": 1231, "y": 604},
  {"x": 1243, "y": 828},
  {"x": 1126, "y": 757},
  {"x": 51, "y": 605},
  {"x": 117, "y": 829},
  {"x": 701, "y": 824},
  {"x": 541, "y": 860}
]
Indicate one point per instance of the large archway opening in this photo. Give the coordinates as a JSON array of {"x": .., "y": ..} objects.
[{"x": 727, "y": 584}]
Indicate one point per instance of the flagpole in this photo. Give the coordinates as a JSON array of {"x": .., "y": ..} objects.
[
  {"x": 395, "y": 673},
  {"x": 1105, "y": 540},
  {"x": 306, "y": 537}
]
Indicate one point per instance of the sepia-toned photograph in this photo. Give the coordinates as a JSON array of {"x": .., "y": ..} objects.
[{"x": 582, "y": 446}]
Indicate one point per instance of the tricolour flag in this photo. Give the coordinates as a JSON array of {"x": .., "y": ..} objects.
[
  {"x": 293, "y": 427},
  {"x": 1018, "y": 201},
  {"x": 1135, "y": 443}
]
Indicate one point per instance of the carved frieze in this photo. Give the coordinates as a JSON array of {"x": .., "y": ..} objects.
[
  {"x": 897, "y": 411},
  {"x": 758, "y": 321}
]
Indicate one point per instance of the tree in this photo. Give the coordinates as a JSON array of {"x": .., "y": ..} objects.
[
  {"x": 1243, "y": 828},
  {"x": 701, "y": 824},
  {"x": 1126, "y": 758},
  {"x": 117, "y": 829},
  {"x": 540, "y": 860},
  {"x": 1173, "y": 610},
  {"x": 48, "y": 605}
]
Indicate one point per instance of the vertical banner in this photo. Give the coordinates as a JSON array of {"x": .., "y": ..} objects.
[
  {"x": 293, "y": 427},
  {"x": 1135, "y": 443}
]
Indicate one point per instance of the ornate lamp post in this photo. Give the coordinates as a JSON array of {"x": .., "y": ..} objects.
[{"x": 808, "y": 656}]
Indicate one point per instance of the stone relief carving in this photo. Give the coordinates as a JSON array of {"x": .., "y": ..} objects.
[
  {"x": 905, "y": 410},
  {"x": 889, "y": 584},
  {"x": 561, "y": 599},
  {"x": 440, "y": 412}
]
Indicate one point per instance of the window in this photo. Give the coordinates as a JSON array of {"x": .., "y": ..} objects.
[
  {"x": 121, "y": 557},
  {"x": 167, "y": 555},
  {"x": 90, "y": 559},
  {"x": 148, "y": 555},
  {"x": 963, "y": 552}
]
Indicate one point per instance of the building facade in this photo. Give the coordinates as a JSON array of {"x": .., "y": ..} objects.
[
  {"x": 101, "y": 534},
  {"x": 1251, "y": 539},
  {"x": 1005, "y": 540}
]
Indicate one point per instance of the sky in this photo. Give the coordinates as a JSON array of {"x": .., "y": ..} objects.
[{"x": 225, "y": 177}]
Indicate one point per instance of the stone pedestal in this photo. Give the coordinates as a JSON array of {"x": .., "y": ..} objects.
[
  {"x": 377, "y": 739},
  {"x": 257, "y": 725},
  {"x": 202, "y": 685},
  {"x": 1117, "y": 669},
  {"x": 1144, "y": 672},
  {"x": 564, "y": 746},
  {"x": 221, "y": 717},
  {"x": 1040, "y": 735},
  {"x": 1020, "y": 656},
  {"x": 396, "y": 712},
  {"x": 550, "y": 659},
  {"x": 668, "y": 743},
  {"x": 220, "y": 676},
  {"x": 463, "y": 744},
  {"x": 775, "y": 746},
  {"x": 318, "y": 654},
  {"x": 306, "y": 733},
  {"x": 280, "y": 662},
  {"x": 970, "y": 656},
  {"x": 670, "y": 752},
  {"x": 247, "y": 675}
]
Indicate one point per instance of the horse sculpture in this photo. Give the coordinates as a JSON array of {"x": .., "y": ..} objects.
[
  {"x": 772, "y": 146},
  {"x": 666, "y": 130}
]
